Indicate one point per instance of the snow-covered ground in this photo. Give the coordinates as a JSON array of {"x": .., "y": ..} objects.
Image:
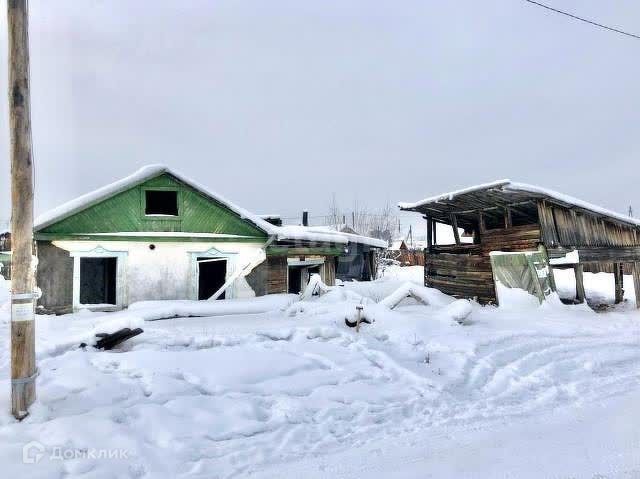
[{"x": 288, "y": 390}]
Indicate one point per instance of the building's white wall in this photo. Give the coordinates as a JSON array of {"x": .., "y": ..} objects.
[{"x": 168, "y": 271}]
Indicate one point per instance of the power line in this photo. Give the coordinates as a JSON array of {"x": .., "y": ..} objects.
[{"x": 633, "y": 35}]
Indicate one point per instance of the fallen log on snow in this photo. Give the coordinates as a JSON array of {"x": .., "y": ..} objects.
[{"x": 109, "y": 341}]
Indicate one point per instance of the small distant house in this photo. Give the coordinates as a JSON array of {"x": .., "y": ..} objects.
[
  {"x": 520, "y": 233},
  {"x": 406, "y": 256},
  {"x": 159, "y": 235}
]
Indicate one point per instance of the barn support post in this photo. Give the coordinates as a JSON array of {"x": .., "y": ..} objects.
[
  {"x": 454, "y": 225},
  {"x": 552, "y": 279},
  {"x": 635, "y": 270},
  {"x": 619, "y": 285},
  {"x": 508, "y": 222},
  {"x": 435, "y": 233},
  {"x": 578, "y": 270},
  {"x": 429, "y": 234}
]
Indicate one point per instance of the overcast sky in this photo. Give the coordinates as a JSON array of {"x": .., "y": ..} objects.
[{"x": 279, "y": 104}]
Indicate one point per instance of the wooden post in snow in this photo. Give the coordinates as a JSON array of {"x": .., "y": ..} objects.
[
  {"x": 618, "y": 280},
  {"x": 636, "y": 282},
  {"x": 578, "y": 269},
  {"x": 23, "y": 360},
  {"x": 454, "y": 226}
]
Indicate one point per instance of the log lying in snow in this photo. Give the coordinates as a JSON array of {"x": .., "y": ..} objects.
[
  {"x": 353, "y": 324},
  {"x": 109, "y": 341}
]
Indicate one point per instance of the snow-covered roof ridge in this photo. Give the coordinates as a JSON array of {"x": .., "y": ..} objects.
[
  {"x": 145, "y": 173},
  {"x": 140, "y": 176},
  {"x": 572, "y": 201},
  {"x": 507, "y": 185},
  {"x": 81, "y": 202},
  {"x": 452, "y": 194}
]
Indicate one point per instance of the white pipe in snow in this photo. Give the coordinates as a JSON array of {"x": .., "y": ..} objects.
[{"x": 259, "y": 258}]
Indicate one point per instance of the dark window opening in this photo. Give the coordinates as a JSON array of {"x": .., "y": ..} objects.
[
  {"x": 494, "y": 221},
  {"x": 212, "y": 275},
  {"x": 350, "y": 267},
  {"x": 524, "y": 216},
  {"x": 98, "y": 280},
  {"x": 158, "y": 202}
]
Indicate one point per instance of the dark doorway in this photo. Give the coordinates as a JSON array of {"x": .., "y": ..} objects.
[
  {"x": 211, "y": 276},
  {"x": 299, "y": 277},
  {"x": 295, "y": 279},
  {"x": 98, "y": 280}
]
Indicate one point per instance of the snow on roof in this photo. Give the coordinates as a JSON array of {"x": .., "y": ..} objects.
[
  {"x": 164, "y": 234},
  {"x": 451, "y": 195},
  {"x": 326, "y": 234},
  {"x": 508, "y": 185},
  {"x": 151, "y": 171},
  {"x": 143, "y": 174}
]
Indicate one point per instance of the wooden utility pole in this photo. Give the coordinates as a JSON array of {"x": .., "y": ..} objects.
[{"x": 23, "y": 358}]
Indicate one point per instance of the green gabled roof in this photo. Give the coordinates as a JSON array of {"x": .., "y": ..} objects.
[{"x": 118, "y": 208}]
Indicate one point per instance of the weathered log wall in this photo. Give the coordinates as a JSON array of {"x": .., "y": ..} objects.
[
  {"x": 515, "y": 238},
  {"x": 464, "y": 271},
  {"x": 460, "y": 275}
]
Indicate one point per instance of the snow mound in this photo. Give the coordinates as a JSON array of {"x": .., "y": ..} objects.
[
  {"x": 459, "y": 310},
  {"x": 421, "y": 294},
  {"x": 154, "y": 310}
]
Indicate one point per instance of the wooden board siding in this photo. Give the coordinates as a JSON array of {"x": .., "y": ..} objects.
[
  {"x": 277, "y": 274},
  {"x": 568, "y": 228},
  {"x": 329, "y": 271},
  {"x": 293, "y": 251},
  {"x": 124, "y": 213},
  {"x": 54, "y": 277}
]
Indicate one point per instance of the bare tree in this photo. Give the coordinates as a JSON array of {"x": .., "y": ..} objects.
[{"x": 377, "y": 224}]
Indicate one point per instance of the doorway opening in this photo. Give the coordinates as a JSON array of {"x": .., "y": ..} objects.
[
  {"x": 295, "y": 279},
  {"x": 98, "y": 280},
  {"x": 212, "y": 274},
  {"x": 299, "y": 276}
]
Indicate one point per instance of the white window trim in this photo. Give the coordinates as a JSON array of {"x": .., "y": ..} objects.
[
  {"x": 212, "y": 253},
  {"x": 307, "y": 262},
  {"x": 121, "y": 277}
]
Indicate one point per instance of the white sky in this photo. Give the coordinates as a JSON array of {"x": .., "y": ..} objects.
[{"x": 279, "y": 104}]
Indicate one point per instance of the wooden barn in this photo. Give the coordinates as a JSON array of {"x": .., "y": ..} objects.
[
  {"x": 158, "y": 235},
  {"x": 517, "y": 234}
]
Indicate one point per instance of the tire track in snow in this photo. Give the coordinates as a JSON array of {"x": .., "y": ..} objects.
[{"x": 519, "y": 375}]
